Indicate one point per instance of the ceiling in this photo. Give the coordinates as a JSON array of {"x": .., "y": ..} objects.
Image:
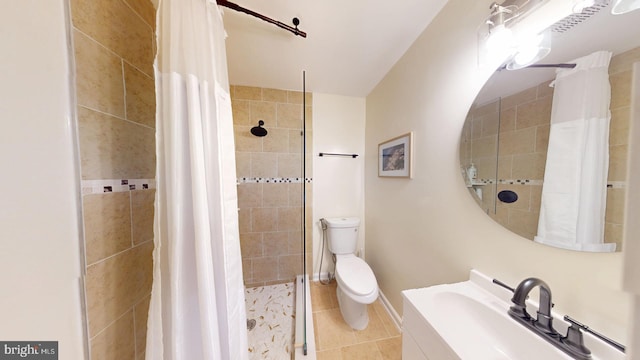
[{"x": 350, "y": 45}]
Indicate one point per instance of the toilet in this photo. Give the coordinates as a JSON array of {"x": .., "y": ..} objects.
[{"x": 357, "y": 286}]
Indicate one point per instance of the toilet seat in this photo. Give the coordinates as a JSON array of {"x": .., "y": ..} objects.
[{"x": 356, "y": 278}]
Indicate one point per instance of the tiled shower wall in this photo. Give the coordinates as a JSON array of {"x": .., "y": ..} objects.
[
  {"x": 113, "y": 43},
  {"x": 270, "y": 184},
  {"x": 522, "y": 121}
]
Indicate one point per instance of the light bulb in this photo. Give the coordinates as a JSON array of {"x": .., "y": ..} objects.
[
  {"x": 624, "y": 6},
  {"x": 500, "y": 39}
]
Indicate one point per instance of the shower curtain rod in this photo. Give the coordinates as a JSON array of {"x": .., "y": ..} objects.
[{"x": 277, "y": 23}]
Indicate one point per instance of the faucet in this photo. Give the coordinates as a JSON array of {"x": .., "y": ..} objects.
[{"x": 544, "y": 319}]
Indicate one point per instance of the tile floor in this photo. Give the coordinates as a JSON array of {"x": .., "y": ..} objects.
[
  {"x": 335, "y": 340},
  {"x": 272, "y": 307}
]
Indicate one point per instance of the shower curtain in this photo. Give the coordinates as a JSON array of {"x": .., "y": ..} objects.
[
  {"x": 574, "y": 191},
  {"x": 197, "y": 299}
]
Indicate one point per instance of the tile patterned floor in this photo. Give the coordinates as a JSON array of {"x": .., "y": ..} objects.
[
  {"x": 335, "y": 340},
  {"x": 273, "y": 309}
]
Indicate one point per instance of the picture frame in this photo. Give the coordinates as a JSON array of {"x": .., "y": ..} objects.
[{"x": 395, "y": 157}]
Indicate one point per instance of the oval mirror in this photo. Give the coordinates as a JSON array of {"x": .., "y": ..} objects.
[{"x": 511, "y": 145}]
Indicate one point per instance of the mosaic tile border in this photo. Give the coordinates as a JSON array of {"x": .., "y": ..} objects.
[
  {"x": 275, "y": 180},
  {"x": 116, "y": 185},
  {"x": 610, "y": 184}
]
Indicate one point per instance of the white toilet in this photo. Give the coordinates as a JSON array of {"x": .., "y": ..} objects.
[{"x": 357, "y": 284}]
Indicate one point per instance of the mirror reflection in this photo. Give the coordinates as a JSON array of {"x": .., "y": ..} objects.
[{"x": 528, "y": 149}]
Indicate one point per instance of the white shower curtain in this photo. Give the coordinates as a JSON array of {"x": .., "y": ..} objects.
[
  {"x": 574, "y": 191},
  {"x": 197, "y": 301}
]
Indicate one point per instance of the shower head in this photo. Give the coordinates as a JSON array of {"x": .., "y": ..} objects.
[{"x": 259, "y": 130}]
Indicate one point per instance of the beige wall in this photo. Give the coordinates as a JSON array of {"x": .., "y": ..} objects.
[
  {"x": 113, "y": 43},
  {"x": 269, "y": 172},
  {"x": 40, "y": 237},
  {"x": 338, "y": 187},
  {"x": 428, "y": 230}
]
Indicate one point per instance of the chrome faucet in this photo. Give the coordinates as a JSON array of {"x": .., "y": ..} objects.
[{"x": 544, "y": 320}]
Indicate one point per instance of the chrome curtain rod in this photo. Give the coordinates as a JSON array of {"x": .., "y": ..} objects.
[
  {"x": 563, "y": 66},
  {"x": 277, "y": 23}
]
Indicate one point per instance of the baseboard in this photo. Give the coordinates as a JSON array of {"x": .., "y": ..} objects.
[{"x": 397, "y": 320}]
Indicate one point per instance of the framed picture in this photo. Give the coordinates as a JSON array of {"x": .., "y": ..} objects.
[{"x": 394, "y": 156}]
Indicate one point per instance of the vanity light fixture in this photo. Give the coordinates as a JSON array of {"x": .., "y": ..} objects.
[{"x": 624, "y": 6}]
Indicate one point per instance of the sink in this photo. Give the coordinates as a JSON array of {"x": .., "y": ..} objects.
[{"x": 469, "y": 320}]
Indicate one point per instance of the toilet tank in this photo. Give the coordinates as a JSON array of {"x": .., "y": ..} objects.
[{"x": 342, "y": 234}]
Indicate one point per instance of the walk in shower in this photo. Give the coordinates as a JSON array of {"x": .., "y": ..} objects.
[{"x": 274, "y": 185}]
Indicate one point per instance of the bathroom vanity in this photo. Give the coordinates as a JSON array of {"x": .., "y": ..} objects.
[{"x": 469, "y": 320}]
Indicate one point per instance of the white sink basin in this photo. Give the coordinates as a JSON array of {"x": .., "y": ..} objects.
[{"x": 470, "y": 321}]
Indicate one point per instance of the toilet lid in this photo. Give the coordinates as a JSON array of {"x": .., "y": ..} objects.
[{"x": 357, "y": 275}]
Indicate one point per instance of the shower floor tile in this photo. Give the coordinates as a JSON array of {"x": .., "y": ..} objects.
[{"x": 273, "y": 309}]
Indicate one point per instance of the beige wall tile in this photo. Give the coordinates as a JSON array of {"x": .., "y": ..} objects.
[
  {"x": 486, "y": 167},
  {"x": 243, "y": 164},
  {"x": 289, "y": 166},
  {"x": 265, "y": 269},
  {"x": 141, "y": 312},
  {"x": 249, "y": 195},
  {"x": 508, "y": 120},
  {"x": 485, "y": 109},
  {"x": 140, "y": 96},
  {"x": 484, "y": 147},
  {"x": 116, "y": 26},
  {"x": 264, "y": 165},
  {"x": 504, "y": 167},
  {"x": 116, "y": 342},
  {"x": 116, "y": 284},
  {"x": 476, "y": 128},
  {"x": 490, "y": 124},
  {"x": 247, "y": 93},
  {"x": 529, "y": 166},
  {"x": 244, "y": 220},
  {"x": 294, "y": 243},
  {"x": 613, "y": 234},
  {"x": 247, "y": 270},
  {"x": 99, "y": 78},
  {"x": 111, "y": 148},
  {"x": 624, "y": 62},
  {"x": 262, "y": 110},
  {"x": 542, "y": 138},
  {"x": 290, "y": 116},
  {"x": 289, "y": 266},
  {"x": 536, "y": 197},
  {"x": 519, "y": 98},
  {"x": 276, "y": 195},
  {"x": 615, "y": 206},
  {"x": 517, "y": 142},
  {"x": 295, "y": 194},
  {"x": 545, "y": 90},
  {"x": 619, "y": 127},
  {"x": 295, "y": 97},
  {"x": 523, "y": 223},
  {"x": 241, "y": 110},
  {"x": 277, "y": 141},
  {"x": 107, "y": 224},
  {"x": 145, "y": 9},
  {"x": 142, "y": 213},
  {"x": 251, "y": 245},
  {"x": 295, "y": 141},
  {"x": 276, "y": 243},
  {"x": 620, "y": 89},
  {"x": 618, "y": 162},
  {"x": 274, "y": 95},
  {"x": 289, "y": 218},
  {"x": 533, "y": 113},
  {"x": 264, "y": 219},
  {"x": 245, "y": 141}
]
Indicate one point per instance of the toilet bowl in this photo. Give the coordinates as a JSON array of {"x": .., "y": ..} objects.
[{"x": 357, "y": 285}]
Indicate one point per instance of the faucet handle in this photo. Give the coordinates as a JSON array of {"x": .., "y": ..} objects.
[{"x": 574, "y": 337}]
